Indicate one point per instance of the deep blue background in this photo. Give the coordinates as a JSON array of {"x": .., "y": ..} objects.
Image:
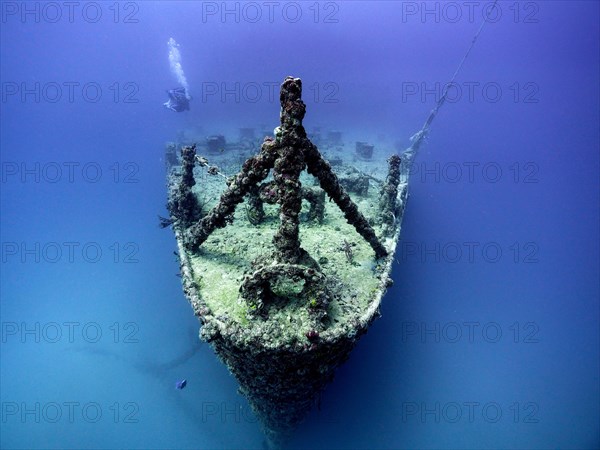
[{"x": 548, "y": 291}]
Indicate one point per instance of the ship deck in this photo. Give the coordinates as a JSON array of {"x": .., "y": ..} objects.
[{"x": 218, "y": 268}]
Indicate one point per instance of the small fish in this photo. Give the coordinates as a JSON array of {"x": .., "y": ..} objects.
[{"x": 181, "y": 384}]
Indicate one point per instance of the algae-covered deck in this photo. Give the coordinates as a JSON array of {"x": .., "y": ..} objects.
[{"x": 346, "y": 260}]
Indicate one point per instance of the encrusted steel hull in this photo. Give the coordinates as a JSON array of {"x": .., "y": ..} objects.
[{"x": 284, "y": 320}]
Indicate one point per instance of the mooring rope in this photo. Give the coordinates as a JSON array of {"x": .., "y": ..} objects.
[{"x": 420, "y": 135}]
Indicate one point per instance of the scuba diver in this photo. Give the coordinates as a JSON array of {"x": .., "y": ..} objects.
[{"x": 178, "y": 100}]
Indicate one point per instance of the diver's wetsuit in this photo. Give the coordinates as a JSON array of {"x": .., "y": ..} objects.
[{"x": 178, "y": 100}]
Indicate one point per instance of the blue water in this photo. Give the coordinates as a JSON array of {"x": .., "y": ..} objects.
[{"x": 489, "y": 336}]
